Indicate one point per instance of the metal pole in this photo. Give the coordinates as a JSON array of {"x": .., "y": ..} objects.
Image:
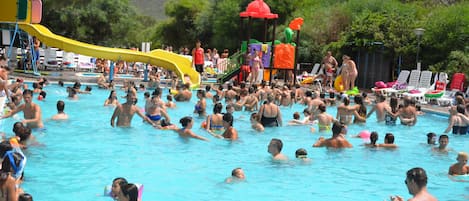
[
  {"x": 418, "y": 50},
  {"x": 296, "y": 55},
  {"x": 272, "y": 51}
]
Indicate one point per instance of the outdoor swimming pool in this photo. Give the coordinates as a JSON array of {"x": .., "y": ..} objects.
[
  {"x": 124, "y": 76},
  {"x": 81, "y": 156}
]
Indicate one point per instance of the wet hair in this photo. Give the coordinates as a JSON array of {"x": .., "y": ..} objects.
[
  {"x": 25, "y": 197},
  {"x": 301, "y": 152},
  {"x": 364, "y": 94},
  {"x": 442, "y": 137},
  {"x": 418, "y": 175},
  {"x": 217, "y": 108},
  {"x": 373, "y": 137},
  {"x": 77, "y": 85},
  {"x": 322, "y": 95},
  {"x": 185, "y": 121},
  {"x": 322, "y": 108},
  {"x": 208, "y": 88},
  {"x": 112, "y": 91},
  {"x": 60, "y": 106},
  {"x": 461, "y": 109},
  {"x": 88, "y": 88},
  {"x": 146, "y": 94},
  {"x": 331, "y": 94},
  {"x": 24, "y": 134},
  {"x": 17, "y": 126},
  {"x": 255, "y": 116},
  {"x": 216, "y": 98},
  {"x": 35, "y": 85},
  {"x": 169, "y": 98},
  {"x": 156, "y": 92},
  {"x": 43, "y": 94},
  {"x": 228, "y": 117},
  {"x": 131, "y": 191},
  {"x": 337, "y": 128},
  {"x": 389, "y": 138},
  {"x": 430, "y": 137},
  {"x": 201, "y": 92},
  {"x": 346, "y": 101},
  {"x": 393, "y": 104},
  {"x": 296, "y": 115},
  {"x": 28, "y": 91},
  {"x": 234, "y": 172},
  {"x": 121, "y": 181},
  {"x": 4, "y": 147},
  {"x": 278, "y": 144}
]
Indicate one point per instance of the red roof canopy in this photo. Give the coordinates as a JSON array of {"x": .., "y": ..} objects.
[{"x": 258, "y": 9}]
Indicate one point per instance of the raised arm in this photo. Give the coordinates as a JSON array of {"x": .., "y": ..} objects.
[{"x": 115, "y": 114}]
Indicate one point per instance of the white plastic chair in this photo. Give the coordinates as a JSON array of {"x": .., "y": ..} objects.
[{"x": 50, "y": 58}]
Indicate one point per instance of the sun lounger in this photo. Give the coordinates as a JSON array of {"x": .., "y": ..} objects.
[
  {"x": 393, "y": 87},
  {"x": 50, "y": 58},
  {"x": 84, "y": 63},
  {"x": 424, "y": 85}
]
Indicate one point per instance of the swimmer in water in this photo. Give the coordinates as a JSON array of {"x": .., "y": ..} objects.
[
  {"x": 60, "y": 111},
  {"x": 461, "y": 167},
  {"x": 185, "y": 131},
  {"x": 237, "y": 175},
  {"x": 275, "y": 148},
  {"x": 32, "y": 111}
]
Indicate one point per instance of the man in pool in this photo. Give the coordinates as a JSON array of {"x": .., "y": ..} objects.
[
  {"x": 237, "y": 175},
  {"x": 443, "y": 141},
  {"x": 275, "y": 148},
  {"x": 32, "y": 111},
  {"x": 126, "y": 111},
  {"x": 337, "y": 140},
  {"x": 416, "y": 182},
  {"x": 431, "y": 138},
  {"x": 60, "y": 112},
  {"x": 461, "y": 167},
  {"x": 380, "y": 108}
]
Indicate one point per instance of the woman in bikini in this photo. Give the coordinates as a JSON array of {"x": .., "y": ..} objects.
[
  {"x": 270, "y": 113},
  {"x": 214, "y": 122},
  {"x": 359, "y": 110},
  {"x": 344, "y": 112},
  {"x": 201, "y": 105},
  {"x": 256, "y": 66},
  {"x": 112, "y": 99}
]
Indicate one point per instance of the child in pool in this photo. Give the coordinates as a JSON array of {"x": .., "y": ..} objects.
[
  {"x": 461, "y": 167},
  {"x": 255, "y": 122}
]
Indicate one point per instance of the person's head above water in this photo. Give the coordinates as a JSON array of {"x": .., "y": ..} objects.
[
  {"x": 275, "y": 146},
  {"x": 301, "y": 153},
  {"x": 185, "y": 121},
  {"x": 228, "y": 118},
  {"x": 238, "y": 173},
  {"x": 416, "y": 180},
  {"x": 431, "y": 138},
  {"x": 338, "y": 128},
  {"x": 373, "y": 137}
]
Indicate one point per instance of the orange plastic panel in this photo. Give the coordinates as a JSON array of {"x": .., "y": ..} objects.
[
  {"x": 284, "y": 57},
  {"x": 36, "y": 11}
]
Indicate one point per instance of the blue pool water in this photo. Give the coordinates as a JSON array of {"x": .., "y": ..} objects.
[{"x": 81, "y": 156}]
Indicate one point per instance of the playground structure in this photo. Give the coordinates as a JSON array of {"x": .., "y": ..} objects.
[
  {"x": 275, "y": 55},
  {"x": 26, "y": 14}
]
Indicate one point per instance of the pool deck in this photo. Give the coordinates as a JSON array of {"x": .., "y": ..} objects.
[{"x": 69, "y": 76}]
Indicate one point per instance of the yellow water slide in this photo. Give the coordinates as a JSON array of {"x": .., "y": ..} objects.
[{"x": 179, "y": 64}]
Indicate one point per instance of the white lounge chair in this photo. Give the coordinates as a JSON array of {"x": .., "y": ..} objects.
[
  {"x": 424, "y": 85},
  {"x": 84, "y": 63},
  {"x": 68, "y": 60},
  {"x": 50, "y": 58}
]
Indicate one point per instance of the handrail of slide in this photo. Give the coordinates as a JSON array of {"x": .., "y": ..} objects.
[{"x": 179, "y": 64}]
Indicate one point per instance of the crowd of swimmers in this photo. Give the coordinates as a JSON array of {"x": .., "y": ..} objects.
[{"x": 263, "y": 101}]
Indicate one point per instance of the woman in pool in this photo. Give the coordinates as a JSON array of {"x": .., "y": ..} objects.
[
  {"x": 112, "y": 99},
  {"x": 391, "y": 114},
  {"x": 116, "y": 189},
  {"x": 270, "y": 113},
  {"x": 9, "y": 191},
  {"x": 256, "y": 122},
  {"x": 360, "y": 108},
  {"x": 230, "y": 132},
  {"x": 345, "y": 112},
  {"x": 201, "y": 105},
  {"x": 185, "y": 131},
  {"x": 130, "y": 192},
  {"x": 373, "y": 140},
  {"x": 458, "y": 122},
  {"x": 214, "y": 122},
  {"x": 324, "y": 120}
]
